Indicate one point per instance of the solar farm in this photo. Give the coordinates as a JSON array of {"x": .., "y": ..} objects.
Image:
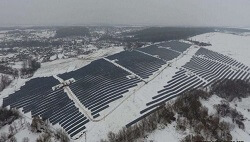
[{"x": 89, "y": 94}]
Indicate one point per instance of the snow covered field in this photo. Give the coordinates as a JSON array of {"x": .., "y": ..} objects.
[
  {"x": 127, "y": 109},
  {"x": 66, "y": 65}
]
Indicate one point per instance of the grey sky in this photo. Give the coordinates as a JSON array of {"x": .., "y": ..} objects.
[{"x": 133, "y": 12}]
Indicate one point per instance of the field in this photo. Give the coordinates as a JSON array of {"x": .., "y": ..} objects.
[{"x": 120, "y": 88}]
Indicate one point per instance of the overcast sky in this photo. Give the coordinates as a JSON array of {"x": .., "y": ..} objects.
[{"x": 234, "y": 13}]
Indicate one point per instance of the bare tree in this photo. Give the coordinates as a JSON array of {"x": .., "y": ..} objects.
[
  {"x": 3, "y": 137},
  {"x": 4, "y": 81},
  {"x": 26, "y": 139},
  {"x": 13, "y": 139}
]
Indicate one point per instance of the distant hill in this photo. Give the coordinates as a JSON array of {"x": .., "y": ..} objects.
[
  {"x": 72, "y": 31},
  {"x": 233, "y": 30},
  {"x": 156, "y": 34}
]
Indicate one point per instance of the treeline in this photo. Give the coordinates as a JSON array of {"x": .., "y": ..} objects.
[
  {"x": 7, "y": 116},
  {"x": 199, "y": 43},
  {"x": 72, "y": 31},
  {"x": 46, "y": 134},
  {"x": 189, "y": 114},
  {"x": 8, "y": 70},
  {"x": 234, "y": 30},
  {"x": 4, "y": 82},
  {"x": 30, "y": 43},
  {"x": 29, "y": 67},
  {"x": 157, "y": 34},
  {"x": 230, "y": 89},
  {"x": 194, "y": 116}
]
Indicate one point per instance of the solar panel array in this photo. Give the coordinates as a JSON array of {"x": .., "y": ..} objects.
[
  {"x": 141, "y": 64},
  {"x": 208, "y": 54},
  {"x": 176, "y": 45},
  {"x": 96, "y": 86},
  {"x": 38, "y": 98},
  {"x": 204, "y": 68},
  {"x": 162, "y": 52},
  {"x": 99, "y": 84},
  {"x": 180, "y": 83}
]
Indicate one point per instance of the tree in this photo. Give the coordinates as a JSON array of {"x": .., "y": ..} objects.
[
  {"x": 45, "y": 137},
  {"x": 11, "y": 130},
  {"x": 13, "y": 139},
  {"x": 61, "y": 135},
  {"x": 111, "y": 137},
  {"x": 3, "y": 137},
  {"x": 4, "y": 82},
  {"x": 26, "y": 139}
]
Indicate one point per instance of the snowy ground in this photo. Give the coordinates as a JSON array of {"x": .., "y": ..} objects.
[
  {"x": 127, "y": 109},
  {"x": 45, "y": 33},
  {"x": 23, "y": 131},
  {"x": 170, "y": 133},
  {"x": 241, "y": 106},
  {"x": 66, "y": 65}
]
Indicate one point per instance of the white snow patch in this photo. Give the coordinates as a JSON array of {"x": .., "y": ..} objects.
[{"x": 169, "y": 133}]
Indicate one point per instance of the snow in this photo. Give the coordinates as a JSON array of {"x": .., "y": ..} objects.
[
  {"x": 14, "y": 86},
  {"x": 102, "y": 52},
  {"x": 235, "y": 46},
  {"x": 100, "y": 32},
  {"x": 58, "y": 67},
  {"x": 60, "y": 56},
  {"x": 22, "y": 130},
  {"x": 91, "y": 47},
  {"x": 2, "y": 35},
  {"x": 18, "y": 65},
  {"x": 53, "y": 57},
  {"x": 168, "y": 133},
  {"x": 45, "y": 34},
  {"x": 213, "y": 100},
  {"x": 242, "y": 106},
  {"x": 4, "y": 31},
  {"x": 66, "y": 65},
  {"x": 8, "y": 56}
]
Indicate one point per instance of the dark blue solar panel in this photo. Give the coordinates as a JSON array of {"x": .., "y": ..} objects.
[{"x": 137, "y": 62}]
